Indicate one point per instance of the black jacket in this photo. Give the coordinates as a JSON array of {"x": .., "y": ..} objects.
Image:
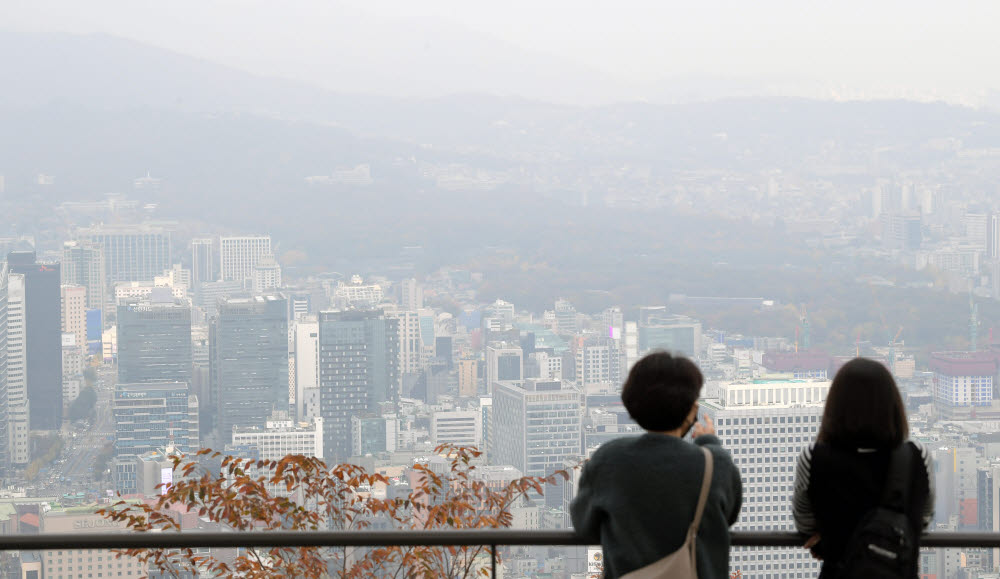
[
  {"x": 836, "y": 487},
  {"x": 637, "y": 497}
]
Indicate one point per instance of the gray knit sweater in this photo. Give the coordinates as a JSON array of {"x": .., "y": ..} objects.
[{"x": 637, "y": 497}]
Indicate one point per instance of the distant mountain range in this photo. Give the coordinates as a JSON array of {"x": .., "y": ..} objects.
[{"x": 97, "y": 111}]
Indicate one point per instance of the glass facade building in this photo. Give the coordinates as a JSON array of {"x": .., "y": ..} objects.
[
  {"x": 249, "y": 359},
  {"x": 358, "y": 370},
  {"x": 154, "y": 342}
]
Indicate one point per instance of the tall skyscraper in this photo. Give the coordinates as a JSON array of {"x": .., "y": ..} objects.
[
  {"x": 17, "y": 373},
  {"x": 203, "y": 263},
  {"x": 993, "y": 236},
  {"x": 249, "y": 341},
  {"x": 131, "y": 252},
  {"x": 266, "y": 274},
  {"x": 600, "y": 363},
  {"x": 410, "y": 343},
  {"x": 566, "y": 322},
  {"x": 358, "y": 370},
  {"x": 43, "y": 339},
  {"x": 74, "y": 313},
  {"x": 239, "y": 255},
  {"x": 411, "y": 295},
  {"x": 149, "y": 417},
  {"x": 535, "y": 426},
  {"x": 154, "y": 342},
  {"x": 83, "y": 264},
  {"x": 4, "y": 415},
  {"x": 306, "y": 360},
  {"x": 765, "y": 424},
  {"x": 504, "y": 364}
]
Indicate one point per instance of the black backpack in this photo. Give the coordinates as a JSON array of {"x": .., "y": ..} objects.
[{"x": 884, "y": 545}]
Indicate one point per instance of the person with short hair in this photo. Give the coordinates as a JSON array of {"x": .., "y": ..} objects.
[
  {"x": 842, "y": 476},
  {"x": 637, "y": 495}
]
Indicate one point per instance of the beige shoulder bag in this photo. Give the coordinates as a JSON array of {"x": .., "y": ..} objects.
[{"x": 681, "y": 564}]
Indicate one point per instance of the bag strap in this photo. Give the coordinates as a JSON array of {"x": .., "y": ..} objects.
[
  {"x": 896, "y": 494},
  {"x": 706, "y": 485}
]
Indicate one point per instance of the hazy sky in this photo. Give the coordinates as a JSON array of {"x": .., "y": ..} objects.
[{"x": 596, "y": 50}]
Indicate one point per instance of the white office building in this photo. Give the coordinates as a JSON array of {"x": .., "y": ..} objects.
[
  {"x": 765, "y": 424},
  {"x": 17, "y": 373},
  {"x": 306, "y": 372},
  {"x": 239, "y": 255},
  {"x": 504, "y": 364},
  {"x": 282, "y": 436},
  {"x": 457, "y": 427}
]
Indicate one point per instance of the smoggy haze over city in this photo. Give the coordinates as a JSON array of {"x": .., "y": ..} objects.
[
  {"x": 572, "y": 52},
  {"x": 356, "y": 231}
]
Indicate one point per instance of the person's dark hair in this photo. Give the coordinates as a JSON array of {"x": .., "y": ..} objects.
[
  {"x": 660, "y": 390},
  {"x": 864, "y": 408}
]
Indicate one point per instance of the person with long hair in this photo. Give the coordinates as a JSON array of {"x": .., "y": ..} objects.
[{"x": 842, "y": 476}]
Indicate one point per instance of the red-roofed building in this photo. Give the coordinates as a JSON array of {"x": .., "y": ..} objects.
[{"x": 801, "y": 365}]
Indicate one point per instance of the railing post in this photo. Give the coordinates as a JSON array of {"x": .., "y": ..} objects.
[{"x": 493, "y": 561}]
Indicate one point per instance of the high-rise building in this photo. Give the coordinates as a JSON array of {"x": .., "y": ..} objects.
[
  {"x": 504, "y": 364},
  {"x": 74, "y": 313},
  {"x": 43, "y": 339},
  {"x": 358, "y": 370},
  {"x": 148, "y": 417},
  {"x": 765, "y": 424},
  {"x": 993, "y": 236},
  {"x": 535, "y": 426},
  {"x": 976, "y": 228},
  {"x": 131, "y": 252},
  {"x": 372, "y": 434},
  {"x": 5, "y": 462},
  {"x": 239, "y": 255},
  {"x": 410, "y": 344},
  {"x": 306, "y": 344},
  {"x": 249, "y": 341},
  {"x": 154, "y": 342},
  {"x": 468, "y": 377},
  {"x": 83, "y": 264},
  {"x": 566, "y": 317},
  {"x": 411, "y": 295},
  {"x": 204, "y": 266},
  {"x": 600, "y": 363},
  {"x": 658, "y": 329},
  {"x": 266, "y": 274},
  {"x": 17, "y": 440},
  {"x": 207, "y": 295}
]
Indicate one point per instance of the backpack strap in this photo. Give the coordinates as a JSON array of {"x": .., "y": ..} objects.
[
  {"x": 896, "y": 494},
  {"x": 706, "y": 485}
]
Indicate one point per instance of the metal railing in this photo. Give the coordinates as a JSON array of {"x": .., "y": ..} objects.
[
  {"x": 505, "y": 537},
  {"x": 491, "y": 538}
]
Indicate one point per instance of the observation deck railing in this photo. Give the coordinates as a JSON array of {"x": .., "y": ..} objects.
[{"x": 491, "y": 538}]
